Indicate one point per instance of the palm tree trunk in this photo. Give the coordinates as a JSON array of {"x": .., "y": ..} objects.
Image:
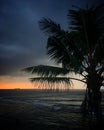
[
  {"x": 84, "y": 105},
  {"x": 94, "y": 95}
]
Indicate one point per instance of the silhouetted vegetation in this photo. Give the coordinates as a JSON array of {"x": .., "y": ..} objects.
[{"x": 80, "y": 50}]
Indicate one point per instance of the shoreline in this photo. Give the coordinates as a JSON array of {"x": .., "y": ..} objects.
[
  {"x": 26, "y": 116},
  {"x": 38, "y": 110}
]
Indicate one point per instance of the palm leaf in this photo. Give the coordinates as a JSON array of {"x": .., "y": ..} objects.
[
  {"x": 57, "y": 50},
  {"x": 53, "y": 83},
  {"x": 60, "y": 45},
  {"x": 89, "y": 23},
  {"x": 49, "y": 71},
  {"x": 66, "y": 80},
  {"x": 51, "y": 79},
  {"x": 50, "y": 27}
]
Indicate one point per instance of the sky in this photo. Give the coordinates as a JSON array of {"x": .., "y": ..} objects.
[{"x": 22, "y": 43}]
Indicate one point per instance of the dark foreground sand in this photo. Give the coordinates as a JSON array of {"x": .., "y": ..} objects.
[{"x": 26, "y": 116}]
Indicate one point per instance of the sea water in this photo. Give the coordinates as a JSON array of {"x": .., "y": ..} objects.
[{"x": 47, "y": 98}]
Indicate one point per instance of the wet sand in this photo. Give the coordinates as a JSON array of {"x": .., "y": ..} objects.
[{"x": 27, "y": 116}]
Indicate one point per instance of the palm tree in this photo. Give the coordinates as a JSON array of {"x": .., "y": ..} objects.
[{"x": 80, "y": 50}]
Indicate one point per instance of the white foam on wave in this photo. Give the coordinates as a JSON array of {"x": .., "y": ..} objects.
[{"x": 50, "y": 105}]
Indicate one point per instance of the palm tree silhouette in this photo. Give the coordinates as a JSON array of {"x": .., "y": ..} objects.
[{"x": 80, "y": 50}]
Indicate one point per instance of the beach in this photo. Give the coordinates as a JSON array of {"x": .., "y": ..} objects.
[{"x": 38, "y": 115}]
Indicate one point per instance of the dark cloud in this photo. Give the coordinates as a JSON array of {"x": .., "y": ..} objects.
[{"x": 21, "y": 41}]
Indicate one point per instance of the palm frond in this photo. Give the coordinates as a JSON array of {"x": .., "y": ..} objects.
[
  {"x": 52, "y": 83},
  {"x": 44, "y": 70},
  {"x": 50, "y": 27},
  {"x": 57, "y": 50},
  {"x": 89, "y": 22},
  {"x": 60, "y": 45},
  {"x": 51, "y": 79},
  {"x": 99, "y": 51}
]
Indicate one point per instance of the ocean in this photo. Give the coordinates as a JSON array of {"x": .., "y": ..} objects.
[{"x": 47, "y": 98}]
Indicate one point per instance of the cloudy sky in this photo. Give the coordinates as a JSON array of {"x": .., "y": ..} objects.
[{"x": 22, "y": 43}]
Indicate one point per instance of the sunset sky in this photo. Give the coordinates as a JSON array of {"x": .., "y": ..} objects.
[{"x": 22, "y": 43}]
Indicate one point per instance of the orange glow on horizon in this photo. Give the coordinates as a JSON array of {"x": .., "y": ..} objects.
[
  {"x": 15, "y": 85},
  {"x": 29, "y": 85}
]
